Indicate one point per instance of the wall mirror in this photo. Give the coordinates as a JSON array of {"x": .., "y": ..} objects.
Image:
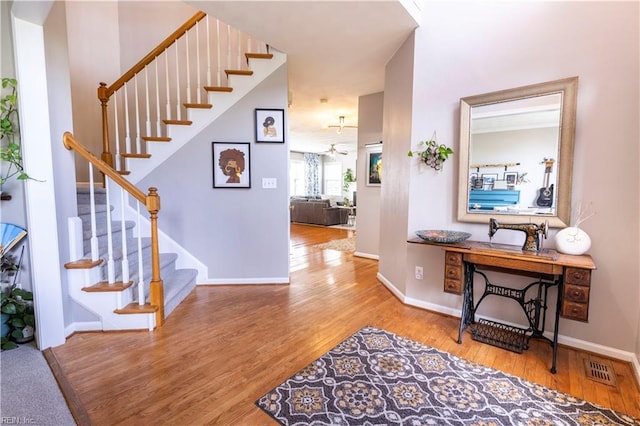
[{"x": 516, "y": 154}]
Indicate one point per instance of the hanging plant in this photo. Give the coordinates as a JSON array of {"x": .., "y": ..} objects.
[{"x": 431, "y": 153}]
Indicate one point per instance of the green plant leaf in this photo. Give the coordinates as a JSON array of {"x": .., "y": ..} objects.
[
  {"x": 9, "y": 308},
  {"x": 7, "y": 344},
  {"x": 17, "y": 322}
]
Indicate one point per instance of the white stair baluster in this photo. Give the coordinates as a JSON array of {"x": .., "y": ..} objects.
[
  {"x": 178, "y": 102},
  {"x": 125, "y": 258},
  {"x": 111, "y": 274},
  {"x": 208, "y": 53},
  {"x": 166, "y": 78},
  {"x": 198, "y": 84},
  {"x": 228, "y": 64},
  {"x": 127, "y": 123},
  {"x": 119, "y": 159},
  {"x": 158, "y": 128},
  {"x": 218, "y": 43},
  {"x": 141, "y": 295},
  {"x": 147, "y": 107},
  {"x": 239, "y": 47},
  {"x": 186, "y": 51},
  {"x": 138, "y": 149},
  {"x": 92, "y": 207}
]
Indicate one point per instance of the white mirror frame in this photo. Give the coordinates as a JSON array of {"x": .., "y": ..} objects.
[{"x": 568, "y": 87}]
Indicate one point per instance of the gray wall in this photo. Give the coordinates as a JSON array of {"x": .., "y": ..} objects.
[
  {"x": 368, "y": 209},
  {"x": 241, "y": 234}
]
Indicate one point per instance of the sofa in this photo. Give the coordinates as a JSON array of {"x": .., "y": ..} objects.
[{"x": 317, "y": 212}]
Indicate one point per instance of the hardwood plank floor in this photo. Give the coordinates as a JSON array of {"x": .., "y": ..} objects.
[{"x": 225, "y": 346}]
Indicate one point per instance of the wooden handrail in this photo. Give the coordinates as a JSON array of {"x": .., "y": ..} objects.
[
  {"x": 108, "y": 91},
  {"x": 152, "y": 204},
  {"x": 71, "y": 144},
  {"x": 104, "y": 92}
]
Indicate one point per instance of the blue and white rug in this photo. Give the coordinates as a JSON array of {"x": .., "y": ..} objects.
[{"x": 376, "y": 377}]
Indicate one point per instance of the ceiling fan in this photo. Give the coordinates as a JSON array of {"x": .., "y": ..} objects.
[
  {"x": 340, "y": 126},
  {"x": 333, "y": 151}
]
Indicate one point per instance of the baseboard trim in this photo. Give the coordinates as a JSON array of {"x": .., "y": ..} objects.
[
  {"x": 243, "y": 281},
  {"x": 563, "y": 340},
  {"x": 366, "y": 255},
  {"x": 82, "y": 326}
]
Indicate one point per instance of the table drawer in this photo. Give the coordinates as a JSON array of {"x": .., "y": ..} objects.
[
  {"x": 453, "y": 258},
  {"x": 453, "y": 286},
  {"x": 452, "y": 272},
  {"x": 577, "y": 276},
  {"x": 577, "y": 294},
  {"x": 575, "y": 311}
]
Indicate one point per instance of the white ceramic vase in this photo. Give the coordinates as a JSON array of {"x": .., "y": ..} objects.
[{"x": 572, "y": 240}]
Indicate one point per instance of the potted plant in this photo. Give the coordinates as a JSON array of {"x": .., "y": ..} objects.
[
  {"x": 16, "y": 305},
  {"x": 348, "y": 179},
  {"x": 432, "y": 153}
]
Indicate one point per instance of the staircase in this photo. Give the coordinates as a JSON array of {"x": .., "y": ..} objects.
[
  {"x": 117, "y": 304},
  {"x": 120, "y": 274}
]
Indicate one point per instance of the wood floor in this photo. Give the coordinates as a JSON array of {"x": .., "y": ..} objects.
[{"x": 225, "y": 346}]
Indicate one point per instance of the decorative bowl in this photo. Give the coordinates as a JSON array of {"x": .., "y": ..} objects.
[{"x": 442, "y": 236}]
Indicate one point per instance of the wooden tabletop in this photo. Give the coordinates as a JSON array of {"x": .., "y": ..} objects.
[{"x": 508, "y": 251}]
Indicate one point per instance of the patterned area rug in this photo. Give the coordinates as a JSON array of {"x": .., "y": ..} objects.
[
  {"x": 345, "y": 244},
  {"x": 378, "y": 378}
]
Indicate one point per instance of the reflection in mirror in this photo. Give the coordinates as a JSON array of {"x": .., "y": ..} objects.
[{"x": 516, "y": 154}]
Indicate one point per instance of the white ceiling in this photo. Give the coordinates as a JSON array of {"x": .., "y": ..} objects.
[{"x": 336, "y": 50}]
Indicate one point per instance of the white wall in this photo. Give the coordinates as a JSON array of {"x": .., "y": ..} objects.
[{"x": 468, "y": 48}]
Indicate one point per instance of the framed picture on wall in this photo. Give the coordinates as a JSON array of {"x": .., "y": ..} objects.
[
  {"x": 489, "y": 177},
  {"x": 231, "y": 165},
  {"x": 511, "y": 177},
  {"x": 269, "y": 125},
  {"x": 374, "y": 168}
]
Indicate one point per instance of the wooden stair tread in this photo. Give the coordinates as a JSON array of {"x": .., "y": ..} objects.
[
  {"x": 131, "y": 155},
  {"x": 104, "y": 286},
  {"x": 178, "y": 122},
  {"x": 83, "y": 264},
  {"x": 124, "y": 172},
  {"x": 238, "y": 72},
  {"x": 156, "y": 138},
  {"x": 202, "y": 106},
  {"x": 218, "y": 89},
  {"x": 258, "y": 55},
  {"x": 134, "y": 308}
]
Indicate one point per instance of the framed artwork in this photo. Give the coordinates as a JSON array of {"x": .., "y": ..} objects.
[
  {"x": 374, "y": 168},
  {"x": 489, "y": 177},
  {"x": 511, "y": 177},
  {"x": 231, "y": 165},
  {"x": 269, "y": 125}
]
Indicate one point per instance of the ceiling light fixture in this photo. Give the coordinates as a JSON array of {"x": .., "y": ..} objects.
[{"x": 341, "y": 126}]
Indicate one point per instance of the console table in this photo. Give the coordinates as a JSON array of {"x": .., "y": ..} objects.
[{"x": 467, "y": 260}]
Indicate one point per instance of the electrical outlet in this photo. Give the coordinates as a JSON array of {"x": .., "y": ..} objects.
[{"x": 419, "y": 274}]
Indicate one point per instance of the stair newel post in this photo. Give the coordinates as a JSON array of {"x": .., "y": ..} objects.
[
  {"x": 103, "y": 95},
  {"x": 156, "y": 287}
]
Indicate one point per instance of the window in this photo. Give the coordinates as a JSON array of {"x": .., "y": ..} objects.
[
  {"x": 333, "y": 179},
  {"x": 296, "y": 177}
]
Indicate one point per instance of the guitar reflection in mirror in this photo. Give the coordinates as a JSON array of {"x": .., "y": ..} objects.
[{"x": 545, "y": 194}]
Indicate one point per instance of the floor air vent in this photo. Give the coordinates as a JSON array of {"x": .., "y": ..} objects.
[{"x": 600, "y": 371}]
